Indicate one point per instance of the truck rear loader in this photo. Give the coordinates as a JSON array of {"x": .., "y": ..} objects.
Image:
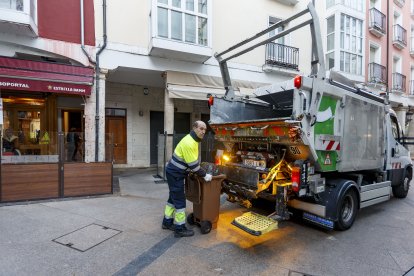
[{"x": 315, "y": 144}]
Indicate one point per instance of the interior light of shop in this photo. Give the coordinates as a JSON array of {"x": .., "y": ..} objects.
[{"x": 226, "y": 158}]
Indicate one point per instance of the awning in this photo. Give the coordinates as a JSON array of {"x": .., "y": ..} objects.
[
  {"x": 196, "y": 87},
  {"x": 20, "y": 74},
  {"x": 192, "y": 92}
]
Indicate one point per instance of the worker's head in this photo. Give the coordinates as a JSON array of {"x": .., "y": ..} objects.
[{"x": 199, "y": 128}]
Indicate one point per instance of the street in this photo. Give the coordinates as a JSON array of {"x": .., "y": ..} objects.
[{"x": 380, "y": 242}]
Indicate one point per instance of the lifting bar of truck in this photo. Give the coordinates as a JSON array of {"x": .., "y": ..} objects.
[{"x": 317, "y": 50}]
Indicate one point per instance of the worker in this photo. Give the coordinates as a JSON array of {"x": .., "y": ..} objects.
[{"x": 184, "y": 160}]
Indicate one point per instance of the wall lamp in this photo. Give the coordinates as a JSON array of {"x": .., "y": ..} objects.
[{"x": 146, "y": 91}]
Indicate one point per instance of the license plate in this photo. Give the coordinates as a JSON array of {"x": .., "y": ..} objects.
[{"x": 254, "y": 163}]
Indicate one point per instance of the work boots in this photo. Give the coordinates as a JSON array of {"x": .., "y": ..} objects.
[
  {"x": 168, "y": 224},
  {"x": 182, "y": 231}
]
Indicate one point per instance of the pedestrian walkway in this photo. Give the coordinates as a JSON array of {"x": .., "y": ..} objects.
[{"x": 121, "y": 235}]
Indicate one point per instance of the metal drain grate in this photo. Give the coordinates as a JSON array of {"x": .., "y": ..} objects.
[
  {"x": 87, "y": 237},
  {"x": 255, "y": 224}
]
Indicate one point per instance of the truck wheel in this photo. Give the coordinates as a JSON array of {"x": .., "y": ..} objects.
[
  {"x": 347, "y": 210},
  {"x": 190, "y": 219},
  {"x": 401, "y": 190},
  {"x": 205, "y": 227}
]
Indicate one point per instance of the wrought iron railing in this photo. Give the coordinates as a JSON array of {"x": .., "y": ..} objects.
[
  {"x": 377, "y": 20},
  {"x": 282, "y": 56},
  {"x": 377, "y": 73},
  {"x": 398, "y": 82},
  {"x": 400, "y": 34}
]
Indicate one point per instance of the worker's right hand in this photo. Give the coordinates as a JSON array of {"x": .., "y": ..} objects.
[{"x": 208, "y": 177}]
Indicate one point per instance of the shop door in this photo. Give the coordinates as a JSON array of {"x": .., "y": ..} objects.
[
  {"x": 117, "y": 127},
  {"x": 156, "y": 126}
]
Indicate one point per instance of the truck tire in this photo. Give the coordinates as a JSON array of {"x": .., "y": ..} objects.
[
  {"x": 347, "y": 210},
  {"x": 401, "y": 190}
]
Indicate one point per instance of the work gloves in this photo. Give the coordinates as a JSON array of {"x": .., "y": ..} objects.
[{"x": 208, "y": 177}]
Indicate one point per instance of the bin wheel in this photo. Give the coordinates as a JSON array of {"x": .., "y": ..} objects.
[
  {"x": 205, "y": 227},
  {"x": 190, "y": 219}
]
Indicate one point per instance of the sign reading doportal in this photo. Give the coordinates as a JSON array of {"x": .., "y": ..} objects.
[{"x": 45, "y": 86}]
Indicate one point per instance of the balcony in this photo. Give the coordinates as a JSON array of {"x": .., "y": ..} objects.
[
  {"x": 19, "y": 17},
  {"x": 398, "y": 83},
  {"x": 411, "y": 92},
  {"x": 288, "y": 2},
  {"x": 281, "y": 56},
  {"x": 399, "y": 37},
  {"x": 377, "y": 24},
  {"x": 399, "y": 3},
  {"x": 412, "y": 47},
  {"x": 377, "y": 73}
]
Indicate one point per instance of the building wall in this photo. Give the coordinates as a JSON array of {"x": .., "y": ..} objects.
[
  {"x": 61, "y": 20},
  {"x": 229, "y": 26}
]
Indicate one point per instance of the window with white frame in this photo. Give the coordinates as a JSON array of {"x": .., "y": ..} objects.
[
  {"x": 12, "y": 4},
  {"x": 330, "y": 47},
  {"x": 183, "y": 20},
  {"x": 351, "y": 45},
  {"x": 353, "y": 4}
]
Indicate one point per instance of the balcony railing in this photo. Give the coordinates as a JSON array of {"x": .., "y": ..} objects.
[
  {"x": 377, "y": 22},
  {"x": 282, "y": 56},
  {"x": 398, "y": 82},
  {"x": 377, "y": 73},
  {"x": 400, "y": 36},
  {"x": 400, "y": 3},
  {"x": 412, "y": 46}
]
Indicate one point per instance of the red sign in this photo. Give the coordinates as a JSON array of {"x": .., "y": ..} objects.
[{"x": 44, "y": 86}]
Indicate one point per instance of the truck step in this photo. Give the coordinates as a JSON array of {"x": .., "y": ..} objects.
[{"x": 255, "y": 224}]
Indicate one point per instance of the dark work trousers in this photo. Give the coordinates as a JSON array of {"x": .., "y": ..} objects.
[{"x": 177, "y": 195}]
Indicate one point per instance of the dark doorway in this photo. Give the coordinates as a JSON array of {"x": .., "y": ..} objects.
[
  {"x": 182, "y": 123},
  {"x": 156, "y": 126}
]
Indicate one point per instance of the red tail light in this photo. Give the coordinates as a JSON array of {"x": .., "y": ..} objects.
[
  {"x": 295, "y": 179},
  {"x": 210, "y": 101},
  {"x": 297, "y": 81}
]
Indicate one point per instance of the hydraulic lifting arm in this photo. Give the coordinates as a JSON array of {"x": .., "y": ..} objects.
[{"x": 317, "y": 50}]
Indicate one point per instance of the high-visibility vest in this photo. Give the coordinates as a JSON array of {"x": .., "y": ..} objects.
[{"x": 185, "y": 157}]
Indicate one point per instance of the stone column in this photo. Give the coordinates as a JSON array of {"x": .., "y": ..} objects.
[
  {"x": 90, "y": 121},
  {"x": 169, "y": 123}
]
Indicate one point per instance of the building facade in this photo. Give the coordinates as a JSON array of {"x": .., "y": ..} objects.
[
  {"x": 370, "y": 43},
  {"x": 160, "y": 65},
  {"x": 48, "y": 102}
]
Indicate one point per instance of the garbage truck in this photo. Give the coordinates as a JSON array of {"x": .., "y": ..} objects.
[{"x": 318, "y": 145}]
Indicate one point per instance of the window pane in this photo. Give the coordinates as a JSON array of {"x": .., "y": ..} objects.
[
  {"x": 359, "y": 65},
  {"x": 342, "y": 62},
  {"x": 189, "y": 5},
  {"x": 176, "y": 3},
  {"x": 190, "y": 28},
  {"x": 342, "y": 40},
  {"x": 202, "y": 31},
  {"x": 330, "y": 24},
  {"x": 342, "y": 22},
  {"x": 331, "y": 60},
  {"x": 162, "y": 22},
  {"x": 347, "y": 62},
  {"x": 202, "y": 6},
  {"x": 331, "y": 42},
  {"x": 353, "y": 64},
  {"x": 176, "y": 25},
  {"x": 163, "y": 2}
]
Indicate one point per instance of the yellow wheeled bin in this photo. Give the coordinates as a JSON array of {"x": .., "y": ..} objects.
[{"x": 205, "y": 197}]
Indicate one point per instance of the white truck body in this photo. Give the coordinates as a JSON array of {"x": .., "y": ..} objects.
[{"x": 318, "y": 144}]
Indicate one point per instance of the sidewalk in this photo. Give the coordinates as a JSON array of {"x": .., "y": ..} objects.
[{"x": 121, "y": 235}]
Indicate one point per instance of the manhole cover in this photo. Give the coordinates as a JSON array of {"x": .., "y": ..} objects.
[{"x": 87, "y": 237}]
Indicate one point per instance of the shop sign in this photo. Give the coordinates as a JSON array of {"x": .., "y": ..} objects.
[{"x": 45, "y": 86}]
